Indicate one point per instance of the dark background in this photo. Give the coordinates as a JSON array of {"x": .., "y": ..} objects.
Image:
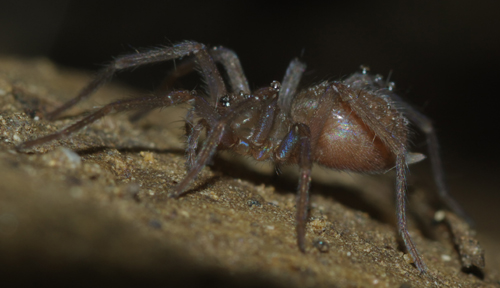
[{"x": 444, "y": 56}]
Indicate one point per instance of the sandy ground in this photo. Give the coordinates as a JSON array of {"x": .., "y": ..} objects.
[{"x": 93, "y": 209}]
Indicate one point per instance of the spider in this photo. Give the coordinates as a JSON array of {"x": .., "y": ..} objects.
[{"x": 358, "y": 124}]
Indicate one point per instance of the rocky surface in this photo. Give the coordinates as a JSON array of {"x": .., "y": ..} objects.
[{"x": 94, "y": 208}]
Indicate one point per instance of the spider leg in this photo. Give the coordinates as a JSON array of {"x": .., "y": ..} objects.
[
  {"x": 266, "y": 120},
  {"x": 398, "y": 146},
  {"x": 226, "y": 57},
  {"x": 307, "y": 139},
  {"x": 217, "y": 128},
  {"x": 229, "y": 60},
  {"x": 425, "y": 124},
  {"x": 401, "y": 172},
  {"x": 173, "y": 98},
  {"x": 290, "y": 83},
  {"x": 181, "y": 69},
  {"x": 211, "y": 75},
  {"x": 299, "y": 138},
  {"x": 188, "y": 123},
  {"x": 192, "y": 143}
]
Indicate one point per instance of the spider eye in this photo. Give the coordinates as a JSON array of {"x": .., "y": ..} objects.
[
  {"x": 276, "y": 85},
  {"x": 224, "y": 101},
  {"x": 364, "y": 69},
  {"x": 391, "y": 86}
]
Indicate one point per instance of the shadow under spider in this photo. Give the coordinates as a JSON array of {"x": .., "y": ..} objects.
[
  {"x": 206, "y": 182},
  {"x": 136, "y": 149},
  {"x": 347, "y": 196}
]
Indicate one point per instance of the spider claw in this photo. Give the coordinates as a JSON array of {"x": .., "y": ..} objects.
[{"x": 174, "y": 195}]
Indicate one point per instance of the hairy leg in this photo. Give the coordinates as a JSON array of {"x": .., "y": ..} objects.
[
  {"x": 265, "y": 121},
  {"x": 226, "y": 57},
  {"x": 192, "y": 142},
  {"x": 211, "y": 75},
  {"x": 173, "y": 98},
  {"x": 401, "y": 172},
  {"x": 396, "y": 141},
  {"x": 424, "y": 124},
  {"x": 229, "y": 60},
  {"x": 217, "y": 128},
  {"x": 290, "y": 83},
  {"x": 181, "y": 69},
  {"x": 298, "y": 142}
]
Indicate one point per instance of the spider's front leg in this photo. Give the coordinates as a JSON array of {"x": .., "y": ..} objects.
[
  {"x": 192, "y": 142},
  {"x": 151, "y": 102},
  {"x": 226, "y": 57},
  {"x": 231, "y": 63},
  {"x": 221, "y": 55},
  {"x": 209, "y": 70},
  {"x": 218, "y": 125}
]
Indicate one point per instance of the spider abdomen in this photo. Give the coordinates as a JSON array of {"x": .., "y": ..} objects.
[{"x": 346, "y": 143}]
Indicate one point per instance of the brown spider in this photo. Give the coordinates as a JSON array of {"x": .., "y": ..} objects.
[{"x": 358, "y": 124}]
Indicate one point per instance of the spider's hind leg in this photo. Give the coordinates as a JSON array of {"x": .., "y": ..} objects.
[
  {"x": 396, "y": 141},
  {"x": 425, "y": 125}
]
